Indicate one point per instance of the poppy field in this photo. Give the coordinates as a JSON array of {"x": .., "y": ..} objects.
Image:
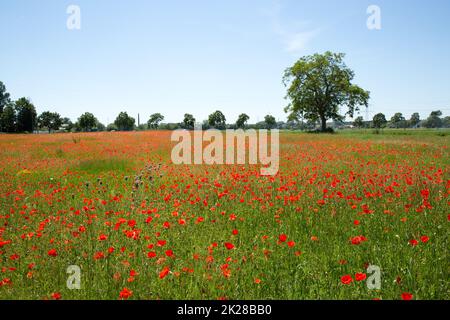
[{"x": 136, "y": 226}]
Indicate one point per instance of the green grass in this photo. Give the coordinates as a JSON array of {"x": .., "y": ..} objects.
[
  {"x": 55, "y": 202},
  {"x": 103, "y": 165}
]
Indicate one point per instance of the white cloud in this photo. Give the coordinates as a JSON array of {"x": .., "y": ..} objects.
[
  {"x": 291, "y": 36},
  {"x": 298, "y": 42}
]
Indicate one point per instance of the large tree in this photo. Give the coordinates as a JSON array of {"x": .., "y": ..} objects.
[
  {"x": 379, "y": 121},
  {"x": 434, "y": 120},
  {"x": 242, "y": 121},
  {"x": 124, "y": 122},
  {"x": 67, "y": 123},
  {"x": 50, "y": 120},
  {"x": 270, "y": 121},
  {"x": 188, "y": 121},
  {"x": 319, "y": 85},
  {"x": 398, "y": 120},
  {"x": 446, "y": 122},
  {"x": 217, "y": 120},
  {"x": 359, "y": 122},
  {"x": 154, "y": 120},
  {"x": 87, "y": 122},
  {"x": 4, "y": 97},
  {"x": 26, "y": 115},
  {"x": 415, "y": 119},
  {"x": 8, "y": 119}
]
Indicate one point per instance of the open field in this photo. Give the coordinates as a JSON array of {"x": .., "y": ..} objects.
[{"x": 140, "y": 227}]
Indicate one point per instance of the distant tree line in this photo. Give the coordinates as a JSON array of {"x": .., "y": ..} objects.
[
  {"x": 20, "y": 116},
  {"x": 398, "y": 121}
]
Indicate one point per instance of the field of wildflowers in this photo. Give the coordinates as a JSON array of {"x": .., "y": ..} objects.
[{"x": 138, "y": 227}]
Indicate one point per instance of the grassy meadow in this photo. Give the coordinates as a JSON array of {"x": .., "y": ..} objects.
[{"x": 140, "y": 227}]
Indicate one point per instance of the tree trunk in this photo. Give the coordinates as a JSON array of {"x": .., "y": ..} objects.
[{"x": 324, "y": 123}]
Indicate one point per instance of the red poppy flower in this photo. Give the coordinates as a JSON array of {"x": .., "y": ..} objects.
[
  {"x": 161, "y": 243},
  {"x": 52, "y": 253},
  {"x": 133, "y": 273},
  {"x": 424, "y": 239},
  {"x": 347, "y": 279},
  {"x": 99, "y": 255},
  {"x": 407, "y": 296},
  {"x": 151, "y": 254},
  {"x": 229, "y": 245},
  {"x": 169, "y": 253},
  {"x": 282, "y": 237},
  {"x": 164, "y": 272},
  {"x": 360, "y": 276},
  {"x": 56, "y": 296},
  {"x": 358, "y": 240},
  {"x": 413, "y": 242},
  {"x": 125, "y": 293}
]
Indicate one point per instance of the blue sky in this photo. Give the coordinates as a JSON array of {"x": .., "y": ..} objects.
[{"x": 198, "y": 56}]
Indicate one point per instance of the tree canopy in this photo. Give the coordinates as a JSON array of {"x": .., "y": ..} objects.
[
  {"x": 124, "y": 122},
  {"x": 26, "y": 115},
  {"x": 4, "y": 97},
  {"x": 434, "y": 120},
  {"x": 379, "y": 121},
  {"x": 154, "y": 120},
  {"x": 398, "y": 120},
  {"x": 188, "y": 121},
  {"x": 87, "y": 121},
  {"x": 50, "y": 120},
  {"x": 242, "y": 121},
  {"x": 359, "y": 122},
  {"x": 217, "y": 120},
  {"x": 319, "y": 85},
  {"x": 8, "y": 119},
  {"x": 270, "y": 121}
]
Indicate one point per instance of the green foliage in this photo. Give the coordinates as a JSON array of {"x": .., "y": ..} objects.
[
  {"x": 67, "y": 123},
  {"x": 319, "y": 84},
  {"x": 87, "y": 122},
  {"x": 379, "y": 121},
  {"x": 446, "y": 122},
  {"x": 103, "y": 165},
  {"x": 4, "y": 97},
  {"x": 154, "y": 120},
  {"x": 100, "y": 126},
  {"x": 26, "y": 115},
  {"x": 111, "y": 127},
  {"x": 270, "y": 122},
  {"x": 415, "y": 120},
  {"x": 8, "y": 119},
  {"x": 434, "y": 120},
  {"x": 217, "y": 120},
  {"x": 242, "y": 121},
  {"x": 49, "y": 120},
  {"x": 188, "y": 121},
  {"x": 124, "y": 122},
  {"x": 359, "y": 122},
  {"x": 398, "y": 121}
]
